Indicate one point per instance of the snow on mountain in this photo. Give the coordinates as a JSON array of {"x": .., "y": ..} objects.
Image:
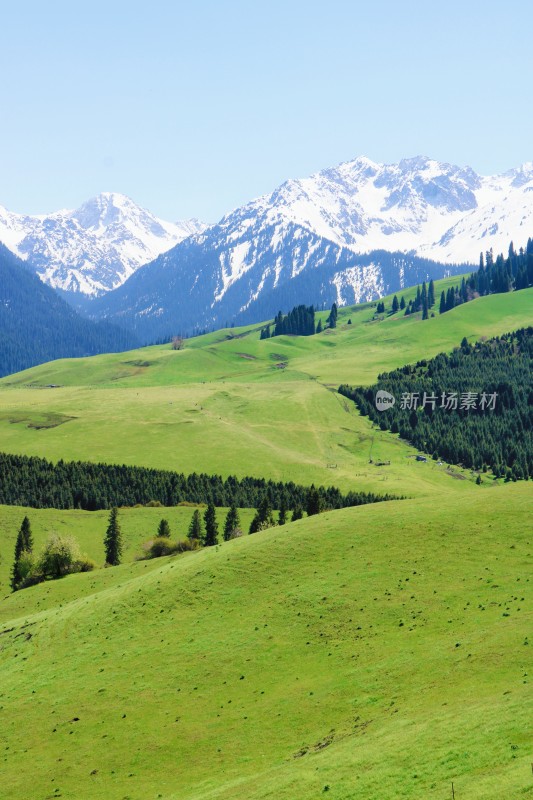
[
  {"x": 94, "y": 248},
  {"x": 434, "y": 209},
  {"x": 351, "y": 233}
]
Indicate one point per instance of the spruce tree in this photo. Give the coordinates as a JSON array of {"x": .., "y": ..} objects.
[
  {"x": 164, "y": 529},
  {"x": 297, "y": 514},
  {"x": 402, "y": 303},
  {"x": 431, "y": 294},
  {"x": 26, "y": 535},
  {"x": 23, "y": 544},
  {"x": 442, "y": 306},
  {"x": 232, "y": 523},
  {"x": 282, "y": 519},
  {"x": 332, "y": 319},
  {"x": 319, "y": 326},
  {"x": 113, "y": 540},
  {"x": 264, "y": 517},
  {"x": 196, "y": 532},
  {"x": 211, "y": 526},
  {"x": 425, "y": 307},
  {"x": 395, "y": 304},
  {"x": 314, "y": 502}
]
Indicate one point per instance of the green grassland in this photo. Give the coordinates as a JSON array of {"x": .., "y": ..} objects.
[
  {"x": 383, "y": 652},
  {"x": 376, "y": 653},
  {"x": 232, "y": 404},
  {"x": 88, "y": 528}
]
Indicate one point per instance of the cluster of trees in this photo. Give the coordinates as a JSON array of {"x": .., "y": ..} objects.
[
  {"x": 474, "y": 436},
  {"x": 423, "y": 301},
  {"x": 494, "y": 276},
  {"x": 37, "y": 483},
  {"x": 299, "y": 322},
  {"x": 60, "y": 556}
]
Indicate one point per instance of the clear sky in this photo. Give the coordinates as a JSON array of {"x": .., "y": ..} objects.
[{"x": 193, "y": 108}]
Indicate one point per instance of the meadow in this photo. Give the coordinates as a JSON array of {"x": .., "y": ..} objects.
[{"x": 378, "y": 652}]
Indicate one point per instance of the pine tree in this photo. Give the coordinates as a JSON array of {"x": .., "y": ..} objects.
[
  {"x": 332, "y": 319},
  {"x": 431, "y": 294},
  {"x": 425, "y": 307},
  {"x": 196, "y": 531},
  {"x": 232, "y": 523},
  {"x": 297, "y": 514},
  {"x": 264, "y": 517},
  {"x": 442, "y": 306},
  {"x": 402, "y": 303},
  {"x": 418, "y": 299},
  {"x": 164, "y": 529},
  {"x": 211, "y": 526},
  {"x": 23, "y": 544},
  {"x": 282, "y": 519},
  {"x": 26, "y": 535},
  {"x": 314, "y": 502},
  {"x": 113, "y": 540},
  {"x": 319, "y": 326},
  {"x": 395, "y": 304}
]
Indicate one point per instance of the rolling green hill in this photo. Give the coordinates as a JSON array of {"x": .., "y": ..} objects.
[
  {"x": 378, "y": 652},
  {"x": 232, "y": 404}
]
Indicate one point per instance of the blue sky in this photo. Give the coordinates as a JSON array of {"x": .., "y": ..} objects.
[{"x": 194, "y": 108}]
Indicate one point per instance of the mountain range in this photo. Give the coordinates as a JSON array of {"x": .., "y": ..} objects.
[
  {"x": 350, "y": 233},
  {"x": 94, "y": 248}
]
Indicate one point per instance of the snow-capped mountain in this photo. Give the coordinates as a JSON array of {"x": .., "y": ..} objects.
[
  {"x": 348, "y": 234},
  {"x": 94, "y": 248},
  {"x": 437, "y": 210}
]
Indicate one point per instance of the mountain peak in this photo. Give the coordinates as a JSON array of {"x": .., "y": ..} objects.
[{"x": 93, "y": 248}]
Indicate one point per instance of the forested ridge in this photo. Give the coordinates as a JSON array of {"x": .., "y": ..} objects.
[
  {"x": 37, "y": 483},
  {"x": 36, "y": 325},
  {"x": 497, "y": 372}
]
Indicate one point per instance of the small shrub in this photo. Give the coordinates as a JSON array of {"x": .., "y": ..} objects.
[
  {"x": 84, "y": 564},
  {"x": 266, "y": 524},
  {"x": 236, "y": 533},
  {"x": 61, "y": 556},
  {"x": 58, "y": 557},
  {"x": 154, "y": 504},
  {"x": 161, "y": 546}
]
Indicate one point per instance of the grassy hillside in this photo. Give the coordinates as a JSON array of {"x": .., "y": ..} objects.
[
  {"x": 88, "y": 528},
  {"x": 378, "y": 652},
  {"x": 230, "y": 403}
]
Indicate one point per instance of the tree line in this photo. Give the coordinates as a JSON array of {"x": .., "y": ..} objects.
[
  {"x": 61, "y": 555},
  {"x": 476, "y": 436},
  {"x": 300, "y": 321},
  {"x": 37, "y": 483},
  {"x": 494, "y": 276}
]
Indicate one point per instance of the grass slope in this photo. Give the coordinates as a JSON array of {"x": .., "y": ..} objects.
[
  {"x": 347, "y": 651},
  {"x": 88, "y": 528},
  {"x": 233, "y": 404},
  {"x": 379, "y": 652}
]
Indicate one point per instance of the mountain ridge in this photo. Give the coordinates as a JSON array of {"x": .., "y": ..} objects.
[{"x": 94, "y": 248}]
